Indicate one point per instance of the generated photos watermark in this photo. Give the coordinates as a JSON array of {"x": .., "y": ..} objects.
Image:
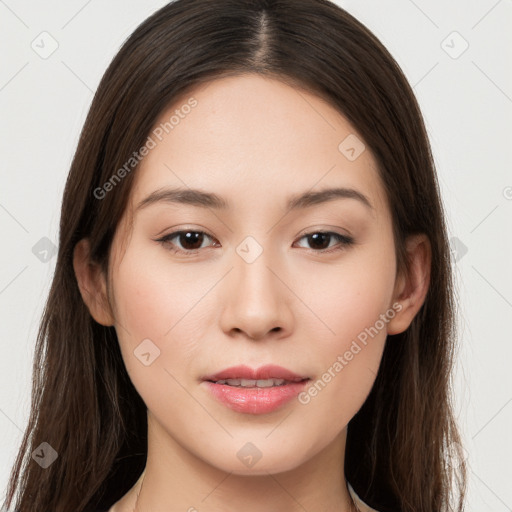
[
  {"x": 156, "y": 136},
  {"x": 343, "y": 360}
]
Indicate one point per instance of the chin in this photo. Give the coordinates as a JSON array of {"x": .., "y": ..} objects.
[{"x": 250, "y": 460}]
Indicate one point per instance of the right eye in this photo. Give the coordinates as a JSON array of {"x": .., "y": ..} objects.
[{"x": 188, "y": 241}]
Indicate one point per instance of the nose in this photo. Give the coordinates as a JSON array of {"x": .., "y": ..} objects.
[{"x": 256, "y": 300}]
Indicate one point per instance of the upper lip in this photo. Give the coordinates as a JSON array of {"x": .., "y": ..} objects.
[{"x": 269, "y": 371}]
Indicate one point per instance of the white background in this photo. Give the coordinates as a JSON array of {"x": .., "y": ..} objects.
[{"x": 467, "y": 104}]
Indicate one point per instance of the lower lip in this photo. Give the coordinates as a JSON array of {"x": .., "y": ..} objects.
[{"x": 255, "y": 400}]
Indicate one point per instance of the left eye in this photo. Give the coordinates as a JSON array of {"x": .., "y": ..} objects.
[
  {"x": 319, "y": 238},
  {"x": 191, "y": 241}
]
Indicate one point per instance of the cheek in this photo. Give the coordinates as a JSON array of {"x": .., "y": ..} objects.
[
  {"x": 151, "y": 295},
  {"x": 156, "y": 302},
  {"x": 348, "y": 297},
  {"x": 354, "y": 306},
  {"x": 143, "y": 301}
]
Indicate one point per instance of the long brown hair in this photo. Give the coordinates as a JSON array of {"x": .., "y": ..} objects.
[{"x": 83, "y": 402}]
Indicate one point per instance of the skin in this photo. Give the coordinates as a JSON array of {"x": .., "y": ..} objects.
[{"x": 254, "y": 141}]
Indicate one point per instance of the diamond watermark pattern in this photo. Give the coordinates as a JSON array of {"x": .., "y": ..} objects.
[
  {"x": 44, "y": 455},
  {"x": 249, "y": 250},
  {"x": 457, "y": 248},
  {"x": 249, "y": 454},
  {"x": 351, "y": 147},
  {"x": 44, "y": 249},
  {"x": 146, "y": 352},
  {"x": 454, "y": 45},
  {"x": 44, "y": 45}
]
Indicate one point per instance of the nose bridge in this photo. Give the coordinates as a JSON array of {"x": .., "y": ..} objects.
[
  {"x": 256, "y": 301},
  {"x": 256, "y": 282}
]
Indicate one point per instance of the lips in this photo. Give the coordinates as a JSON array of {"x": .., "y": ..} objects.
[
  {"x": 251, "y": 383},
  {"x": 266, "y": 372},
  {"x": 255, "y": 391}
]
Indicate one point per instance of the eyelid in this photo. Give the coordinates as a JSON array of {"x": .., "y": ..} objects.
[{"x": 324, "y": 229}]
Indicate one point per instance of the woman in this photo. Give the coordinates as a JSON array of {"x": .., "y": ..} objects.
[{"x": 200, "y": 348}]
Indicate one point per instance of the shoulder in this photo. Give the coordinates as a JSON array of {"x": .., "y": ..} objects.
[{"x": 363, "y": 507}]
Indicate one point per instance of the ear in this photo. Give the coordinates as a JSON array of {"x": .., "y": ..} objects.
[
  {"x": 412, "y": 286},
  {"x": 92, "y": 284}
]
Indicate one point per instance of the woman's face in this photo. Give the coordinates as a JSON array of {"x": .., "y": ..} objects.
[{"x": 254, "y": 282}]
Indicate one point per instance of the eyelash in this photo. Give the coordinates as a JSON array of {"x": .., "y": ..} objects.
[{"x": 344, "y": 241}]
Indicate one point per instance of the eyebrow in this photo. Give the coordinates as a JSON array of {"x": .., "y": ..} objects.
[{"x": 203, "y": 199}]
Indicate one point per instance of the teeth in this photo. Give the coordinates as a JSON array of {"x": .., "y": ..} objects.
[{"x": 250, "y": 383}]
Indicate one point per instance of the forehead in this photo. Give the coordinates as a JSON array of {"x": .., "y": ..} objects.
[{"x": 251, "y": 138}]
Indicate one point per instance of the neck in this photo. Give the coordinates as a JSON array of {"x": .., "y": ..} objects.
[{"x": 174, "y": 475}]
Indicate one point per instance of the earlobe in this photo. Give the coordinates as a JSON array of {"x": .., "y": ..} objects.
[
  {"x": 92, "y": 284},
  {"x": 411, "y": 288}
]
